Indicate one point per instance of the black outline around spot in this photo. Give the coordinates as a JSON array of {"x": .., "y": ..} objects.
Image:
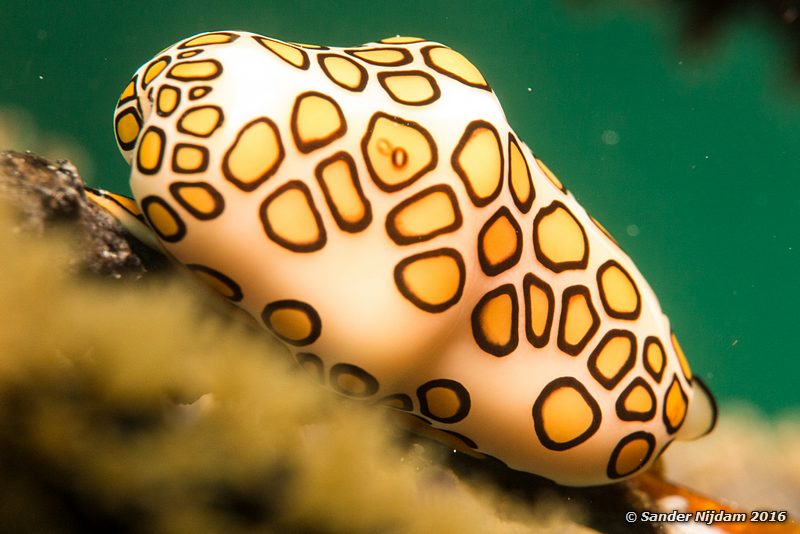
[
  {"x": 630, "y": 362},
  {"x": 407, "y": 58},
  {"x": 219, "y": 200},
  {"x": 402, "y": 239},
  {"x": 626, "y": 415},
  {"x": 205, "y": 88},
  {"x": 538, "y": 421},
  {"x": 460, "y": 391},
  {"x": 337, "y": 216},
  {"x": 180, "y": 170},
  {"x": 163, "y": 138},
  {"x": 364, "y": 75},
  {"x": 150, "y": 65},
  {"x": 322, "y": 236},
  {"x": 253, "y": 185},
  {"x": 392, "y": 74},
  {"x": 670, "y": 441},
  {"x": 411, "y": 179},
  {"x": 415, "y": 40},
  {"x": 308, "y": 46},
  {"x": 405, "y": 401},
  {"x": 531, "y": 280},
  {"x": 306, "y": 147},
  {"x": 184, "y": 45},
  {"x": 610, "y": 311},
  {"x": 696, "y": 382},
  {"x": 309, "y": 357},
  {"x": 611, "y": 470},
  {"x": 477, "y": 331},
  {"x": 112, "y": 197},
  {"x": 369, "y": 381},
  {"x": 127, "y": 146},
  {"x": 159, "y": 111},
  {"x": 411, "y": 297},
  {"x": 138, "y": 103},
  {"x": 575, "y": 350},
  {"x": 291, "y": 304},
  {"x": 426, "y": 56},
  {"x": 647, "y": 342},
  {"x": 135, "y": 94},
  {"x": 524, "y": 207},
  {"x": 672, "y": 429},
  {"x": 227, "y": 281},
  {"x": 190, "y": 53},
  {"x": 495, "y": 269},
  {"x": 676, "y": 347},
  {"x": 152, "y": 199},
  {"x": 465, "y": 137},
  {"x": 221, "y": 119},
  {"x": 213, "y": 76},
  {"x": 543, "y": 259},
  {"x": 460, "y": 437},
  {"x": 260, "y": 39}
]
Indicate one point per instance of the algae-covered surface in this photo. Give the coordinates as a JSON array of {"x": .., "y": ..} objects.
[
  {"x": 133, "y": 408},
  {"x": 687, "y": 154},
  {"x": 144, "y": 407}
]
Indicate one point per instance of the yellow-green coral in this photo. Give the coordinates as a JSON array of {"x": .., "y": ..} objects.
[{"x": 93, "y": 433}]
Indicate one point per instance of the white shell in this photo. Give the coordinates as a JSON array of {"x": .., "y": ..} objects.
[{"x": 417, "y": 304}]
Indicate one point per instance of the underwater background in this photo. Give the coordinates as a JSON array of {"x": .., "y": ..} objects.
[{"x": 689, "y": 156}]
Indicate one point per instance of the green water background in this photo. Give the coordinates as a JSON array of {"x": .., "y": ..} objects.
[{"x": 689, "y": 156}]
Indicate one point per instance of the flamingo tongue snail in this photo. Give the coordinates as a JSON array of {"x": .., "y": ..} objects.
[{"x": 373, "y": 209}]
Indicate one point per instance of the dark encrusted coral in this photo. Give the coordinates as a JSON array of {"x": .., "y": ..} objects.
[{"x": 47, "y": 194}]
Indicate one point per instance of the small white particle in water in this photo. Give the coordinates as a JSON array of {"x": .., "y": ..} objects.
[
  {"x": 610, "y": 137},
  {"x": 530, "y": 89},
  {"x": 735, "y": 342},
  {"x": 632, "y": 230},
  {"x": 41, "y": 77},
  {"x": 706, "y": 156}
]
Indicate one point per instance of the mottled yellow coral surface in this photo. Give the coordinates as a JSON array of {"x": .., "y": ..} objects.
[{"x": 133, "y": 408}]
